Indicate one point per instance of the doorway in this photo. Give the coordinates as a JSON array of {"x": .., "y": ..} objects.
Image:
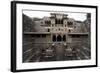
[{"x": 59, "y": 38}]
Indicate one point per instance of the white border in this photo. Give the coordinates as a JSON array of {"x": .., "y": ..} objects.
[{"x": 21, "y": 66}]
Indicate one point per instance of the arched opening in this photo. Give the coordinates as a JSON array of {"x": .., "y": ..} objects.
[
  {"x": 54, "y": 38},
  {"x": 48, "y": 30},
  {"x": 59, "y": 38},
  {"x": 64, "y": 38},
  {"x": 69, "y": 30}
]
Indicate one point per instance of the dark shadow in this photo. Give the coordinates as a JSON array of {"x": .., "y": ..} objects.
[
  {"x": 54, "y": 38},
  {"x": 59, "y": 38},
  {"x": 64, "y": 38}
]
